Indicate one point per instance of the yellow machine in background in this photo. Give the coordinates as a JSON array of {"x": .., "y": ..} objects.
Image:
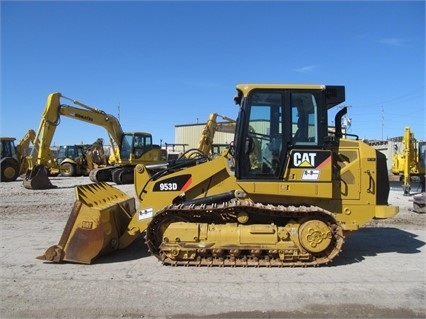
[
  {"x": 128, "y": 149},
  {"x": 205, "y": 144},
  {"x": 13, "y": 157},
  {"x": 287, "y": 192},
  {"x": 410, "y": 161},
  {"x": 81, "y": 159}
]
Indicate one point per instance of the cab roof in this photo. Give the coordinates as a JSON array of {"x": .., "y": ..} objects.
[
  {"x": 335, "y": 93},
  {"x": 246, "y": 88}
]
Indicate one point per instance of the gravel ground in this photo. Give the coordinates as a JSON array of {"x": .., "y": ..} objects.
[{"x": 379, "y": 274}]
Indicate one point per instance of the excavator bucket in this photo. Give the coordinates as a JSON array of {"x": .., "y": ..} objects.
[
  {"x": 37, "y": 178},
  {"x": 99, "y": 217}
]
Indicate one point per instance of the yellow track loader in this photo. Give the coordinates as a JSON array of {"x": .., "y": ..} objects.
[{"x": 287, "y": 193}]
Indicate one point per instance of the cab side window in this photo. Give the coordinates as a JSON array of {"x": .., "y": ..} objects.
[
  {"x": 304, "y": 119},
  {"x": 264, "y": 141}
]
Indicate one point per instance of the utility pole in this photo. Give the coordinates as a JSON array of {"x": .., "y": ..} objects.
[{"x": 383, "y": 120}]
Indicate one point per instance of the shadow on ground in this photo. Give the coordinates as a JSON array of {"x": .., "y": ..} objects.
[
  {"x": 365, "y": 242},
  {"x": 368, "y": 242},
  {"x": 320, "y": 311},
  {"x": 136, "y": 250}
]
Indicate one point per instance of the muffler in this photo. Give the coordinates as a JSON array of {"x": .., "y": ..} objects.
[{"x": 100, "y": 216}]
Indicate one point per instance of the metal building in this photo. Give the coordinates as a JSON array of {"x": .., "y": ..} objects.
[{"x": 188, "y": 136}]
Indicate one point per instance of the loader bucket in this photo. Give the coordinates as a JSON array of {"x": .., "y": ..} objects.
[
  {"x": 99, "y": 217},
  {"x": 38, "y": 178}
]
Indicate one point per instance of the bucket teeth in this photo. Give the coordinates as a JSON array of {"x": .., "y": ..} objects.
[{"x": 99, "y": 194}]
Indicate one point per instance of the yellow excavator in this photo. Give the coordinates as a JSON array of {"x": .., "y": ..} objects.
[
  {"x": 127, "y": 148},
  {"x": 287, "y": 193},
  {"x": 411, "y": 161}
]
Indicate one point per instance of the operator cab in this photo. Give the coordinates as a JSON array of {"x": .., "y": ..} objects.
[
  {"x": 7, "y": 148},
  {"x": 135, "y": 145},
  {"x": 275, "y": 119}
]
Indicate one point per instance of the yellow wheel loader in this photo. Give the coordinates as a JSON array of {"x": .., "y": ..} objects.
[
  {"x": 287, "y": 193},
  {"x": 128, "y": 148}
]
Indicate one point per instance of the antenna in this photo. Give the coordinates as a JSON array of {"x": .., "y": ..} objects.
[{"x": 118, "y": 111}]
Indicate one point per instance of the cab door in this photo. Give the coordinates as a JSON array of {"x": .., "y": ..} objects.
[{"x": 280, "y": 140}]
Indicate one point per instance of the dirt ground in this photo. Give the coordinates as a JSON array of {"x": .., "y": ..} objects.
[{"x": 379, "y": 274}]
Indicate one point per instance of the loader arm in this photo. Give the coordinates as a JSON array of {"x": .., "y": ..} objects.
[{"x": 23, "y": 146}]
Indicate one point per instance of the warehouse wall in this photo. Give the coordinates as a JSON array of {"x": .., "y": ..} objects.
[{"x": 191, "y": 133}]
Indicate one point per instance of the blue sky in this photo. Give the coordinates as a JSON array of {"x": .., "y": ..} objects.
[{"x": 169, "y": 63}]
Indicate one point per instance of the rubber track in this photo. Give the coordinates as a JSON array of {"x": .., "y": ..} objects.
[
  {"x": 220, "y": 212},
  {"x": 100, "y": 175}
]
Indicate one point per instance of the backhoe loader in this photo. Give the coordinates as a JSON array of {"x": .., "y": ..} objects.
[
  {"x": 286, "y": 193},
  {"x": 75, "y": 160},
  {"x": 9, "y": 159},
  {"x": 12, "y": 161},
  {"x": 128, "y": 149}
]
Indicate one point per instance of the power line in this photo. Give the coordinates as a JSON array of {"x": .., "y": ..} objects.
[{"x": 405, "y": 97}]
